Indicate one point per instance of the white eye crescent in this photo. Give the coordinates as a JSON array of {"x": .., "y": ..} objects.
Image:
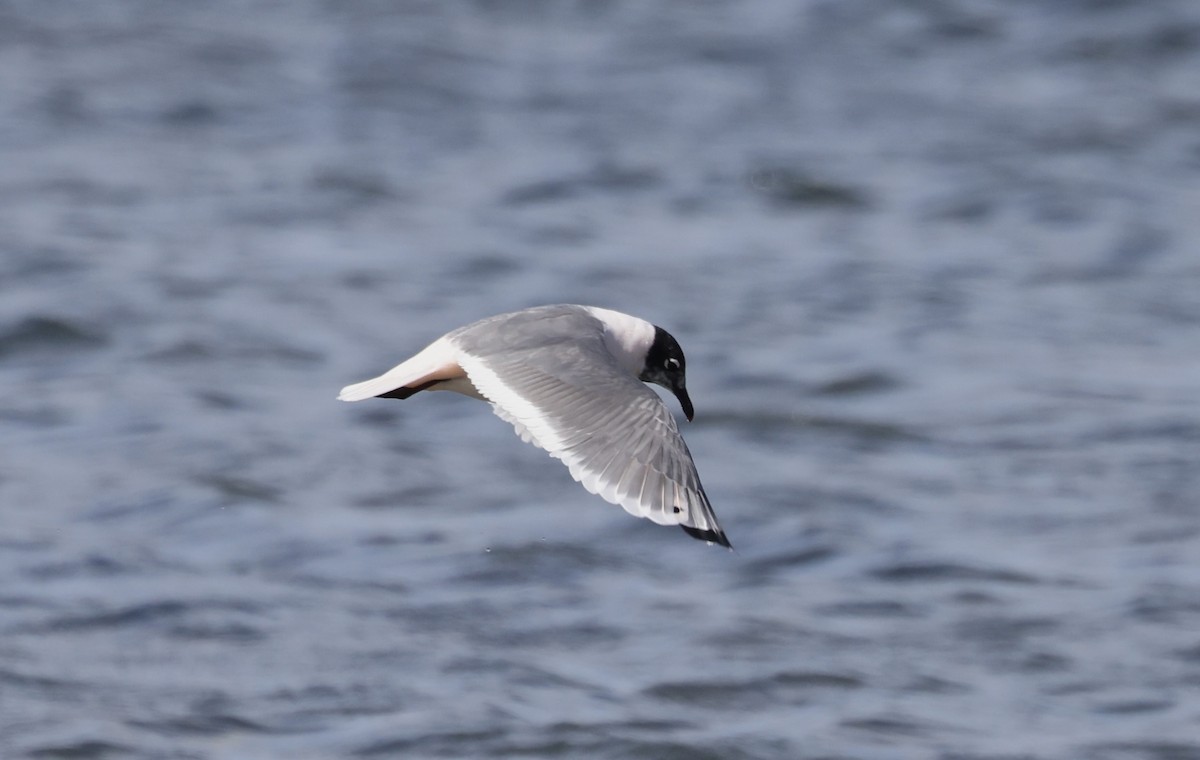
[{"x": 671, "y": 363}]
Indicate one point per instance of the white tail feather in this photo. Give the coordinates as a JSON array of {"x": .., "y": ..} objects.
[
  {"x": 438, "y": 361},
  {"x": 370, "y": 388}
]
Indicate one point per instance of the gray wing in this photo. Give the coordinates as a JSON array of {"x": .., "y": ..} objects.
[{"x": 547, "y": 371}]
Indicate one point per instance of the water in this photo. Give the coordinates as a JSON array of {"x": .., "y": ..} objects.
[{"x": 934, "y": 266}]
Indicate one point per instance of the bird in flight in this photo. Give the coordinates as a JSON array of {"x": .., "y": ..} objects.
[{"x": 570, "y": 379}]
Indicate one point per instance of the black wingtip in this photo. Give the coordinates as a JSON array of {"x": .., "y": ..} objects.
[
  {"x": 400, "y": 393},
  {"x": 711, "y": 536},
  {"x": 403, "y": 392}
]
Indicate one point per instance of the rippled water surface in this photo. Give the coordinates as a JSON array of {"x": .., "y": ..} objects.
[{"x": 934, "y": 264}]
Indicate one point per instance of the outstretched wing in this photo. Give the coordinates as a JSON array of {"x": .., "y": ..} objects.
[{"x": 559, "y": 386}]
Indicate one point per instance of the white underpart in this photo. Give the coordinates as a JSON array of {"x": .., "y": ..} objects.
[
  {"x": 438, "y": 358},
  {"x": 628, "y": 338}
]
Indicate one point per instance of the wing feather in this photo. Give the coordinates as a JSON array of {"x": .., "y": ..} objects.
[{"x": 562, "y": 390}]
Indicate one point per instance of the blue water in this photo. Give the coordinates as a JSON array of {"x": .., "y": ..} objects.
[{"x": 934, "y": 265}]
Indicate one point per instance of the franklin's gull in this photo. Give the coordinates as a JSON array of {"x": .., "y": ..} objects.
[{"x": 567, "y": 378}]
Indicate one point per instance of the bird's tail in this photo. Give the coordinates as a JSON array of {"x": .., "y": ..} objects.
[{"x": 437, "y": 362}]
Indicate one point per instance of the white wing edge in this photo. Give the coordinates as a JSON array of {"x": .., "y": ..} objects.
[{"x": 510, "y": 407}]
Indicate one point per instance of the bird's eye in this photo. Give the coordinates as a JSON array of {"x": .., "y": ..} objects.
[{"x": 671, "y": 364}]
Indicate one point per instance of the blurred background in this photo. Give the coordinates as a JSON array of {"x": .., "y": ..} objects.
[{"x": 935, "y": 266}]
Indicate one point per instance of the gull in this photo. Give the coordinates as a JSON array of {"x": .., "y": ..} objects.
[{"x": 571, "y": 380}]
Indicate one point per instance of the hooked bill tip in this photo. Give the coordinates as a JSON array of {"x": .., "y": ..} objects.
[{"x": 685, "y": 402}]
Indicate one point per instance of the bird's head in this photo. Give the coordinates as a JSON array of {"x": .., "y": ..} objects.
[{"x": 666, "y": 366}]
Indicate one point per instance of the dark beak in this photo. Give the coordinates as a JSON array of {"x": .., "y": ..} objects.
[{"x": 681, "y": 394}]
